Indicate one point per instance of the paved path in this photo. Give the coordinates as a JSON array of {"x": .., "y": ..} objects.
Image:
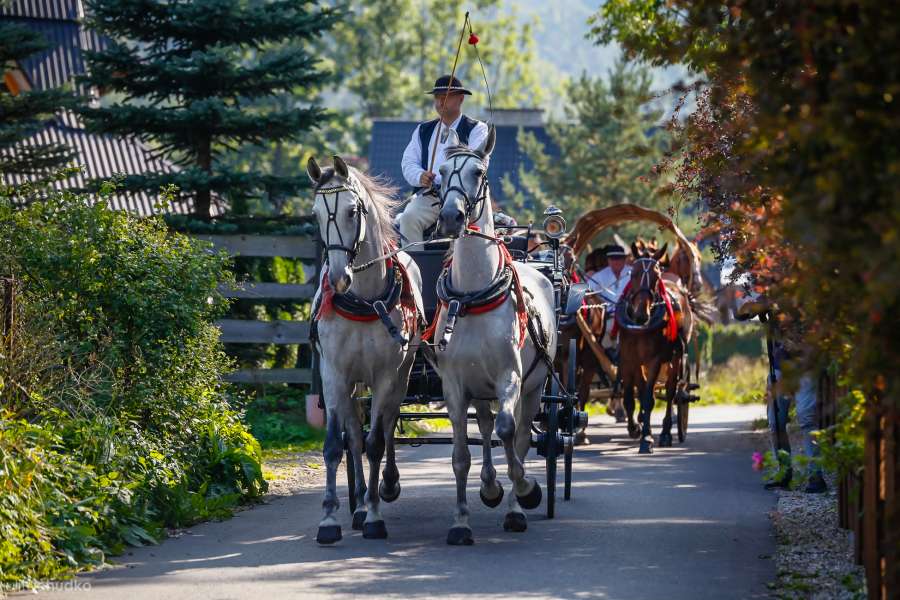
[{"x": 687, "y": 522}]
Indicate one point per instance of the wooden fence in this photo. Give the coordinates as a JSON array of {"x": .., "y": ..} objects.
[
  {"x": 867, "y": 501},
  {"x": 245, "y": 331}
]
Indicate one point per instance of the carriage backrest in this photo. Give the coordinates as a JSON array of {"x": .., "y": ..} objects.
[{"x": 430, "y": 260}]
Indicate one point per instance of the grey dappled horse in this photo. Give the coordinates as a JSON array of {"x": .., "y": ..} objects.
[
  {"x": 355, "y": 222},
  {"x": 483, "y": 360}
]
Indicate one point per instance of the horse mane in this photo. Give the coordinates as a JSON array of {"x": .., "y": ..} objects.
[{"x": 383, "y": 200}]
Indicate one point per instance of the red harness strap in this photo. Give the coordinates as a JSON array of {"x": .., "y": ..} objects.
[
  {"x": 521, "y": 309},
  {"x": 407, "y": 304}
]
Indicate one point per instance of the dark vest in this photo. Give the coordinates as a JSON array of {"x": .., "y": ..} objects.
[{"x": 465, "y": 127}]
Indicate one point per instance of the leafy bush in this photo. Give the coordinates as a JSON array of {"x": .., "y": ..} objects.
[{"x": 117, "y": 423}]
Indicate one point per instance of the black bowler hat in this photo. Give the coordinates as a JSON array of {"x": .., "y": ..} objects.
[
  {"x": 614, "y": 250},
  {"x": 444, "y": 84}
]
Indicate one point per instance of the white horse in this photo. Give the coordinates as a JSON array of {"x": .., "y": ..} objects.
[
  {"x": 490, "y": 355},
  {"x": 367, "y": 332}
]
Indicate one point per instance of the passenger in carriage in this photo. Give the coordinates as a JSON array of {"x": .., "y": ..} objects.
[
  {"x": 457, "y": 129},
  {"x": 611, "y": 280},
  {"x": 609, "y": 283}
]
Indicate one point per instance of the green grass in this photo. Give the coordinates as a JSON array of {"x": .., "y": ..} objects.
[{"x": 741, "y": 380}]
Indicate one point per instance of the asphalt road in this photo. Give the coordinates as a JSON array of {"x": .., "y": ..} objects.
[{"x": 686, "y": 522}]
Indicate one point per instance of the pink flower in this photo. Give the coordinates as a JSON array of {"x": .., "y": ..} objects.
[{"x": 757, "y": 461}]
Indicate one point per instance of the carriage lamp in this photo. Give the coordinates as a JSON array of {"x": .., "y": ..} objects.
[{"x": 554, "y": 223}]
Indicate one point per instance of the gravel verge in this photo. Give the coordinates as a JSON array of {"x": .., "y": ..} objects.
[{"x": 814, "y": 557}]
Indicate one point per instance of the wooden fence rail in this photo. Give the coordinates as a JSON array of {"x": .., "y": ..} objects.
[{"x": 245, "y": 331}]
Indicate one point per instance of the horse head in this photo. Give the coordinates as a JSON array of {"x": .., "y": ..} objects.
[
  {"x": 464, "y": 186},
  {"x": 644, "y": 283},
  {"x": 340, "y": 209}
]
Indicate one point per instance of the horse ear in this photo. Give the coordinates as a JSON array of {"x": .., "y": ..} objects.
[
  {"x": 313, "y": 170},
  {"x": 635, "y": 250},
  {"x": 487, "y": 146},
  {"x": 340, "y": 167},
  {"x": 661, "y": 252}
]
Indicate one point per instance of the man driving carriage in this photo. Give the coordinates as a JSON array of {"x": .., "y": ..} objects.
[{"x": 455, "y": 128}]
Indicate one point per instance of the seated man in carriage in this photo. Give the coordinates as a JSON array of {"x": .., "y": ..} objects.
[
  {"x": 455, "y": 128},
  {"x": 608, "y": 284}
]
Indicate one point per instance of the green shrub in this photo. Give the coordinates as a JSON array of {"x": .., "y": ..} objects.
[
  {"x": 718, "y": 342},
  {"x": 117, "y": 422}
]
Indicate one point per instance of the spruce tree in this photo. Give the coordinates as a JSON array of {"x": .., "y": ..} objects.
[
  {"x": 608, "y": 146},
  {"x": 191, "y": 75},
  {"x": 24, "y": 112}
]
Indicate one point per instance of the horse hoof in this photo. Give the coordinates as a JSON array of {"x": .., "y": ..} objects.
[
  {"x": 359, "y": 518},
  {"x": 388, "y": 495},
  {"x": 515, "y": 522},
  {"x": 665, "y": 440},
  {"x": 460, "y": 536},
  {"x": 634, "y": 432},
  {"x": 646, "y": 447},
  {"x": 329, "y": 534},
  {"x": 621, "y": 417},
  {"x": 491, "y": 502},
  {"x": 375, "y": 530},
  {"x": 532, "y": 499},
  {"x": 582, "y": 440}
]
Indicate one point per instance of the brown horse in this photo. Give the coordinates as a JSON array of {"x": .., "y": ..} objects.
[{"x": 652, "y": 336}]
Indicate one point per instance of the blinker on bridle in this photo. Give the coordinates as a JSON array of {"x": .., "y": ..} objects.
[
  {"x": 456, "y": 174},
  {"x": 332, "y": 212}
]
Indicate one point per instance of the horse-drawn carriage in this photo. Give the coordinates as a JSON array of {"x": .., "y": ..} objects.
[
  {"x": 494, "y": 310},
  {"x": 681, "y": 272}
]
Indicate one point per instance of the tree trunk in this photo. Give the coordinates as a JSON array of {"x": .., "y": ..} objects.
[{"x": 203, "y": 197}]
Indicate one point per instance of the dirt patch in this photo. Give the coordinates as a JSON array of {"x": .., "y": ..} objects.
[{"x": 289, "y": 472}]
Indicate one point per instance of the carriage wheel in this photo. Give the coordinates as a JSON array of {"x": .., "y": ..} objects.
[
  {"x": 684, "y": 403},
  {"x": 550, "y": 435},
  {"x": 571, "y": 407}
]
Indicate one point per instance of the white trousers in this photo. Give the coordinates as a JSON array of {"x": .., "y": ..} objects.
[{"x": 421, "y": 212}]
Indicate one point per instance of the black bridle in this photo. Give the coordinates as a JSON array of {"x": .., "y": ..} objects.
[
  {"x": 361, "y": 213},
  {"x": 456, "y": 173},
  {"x": 647, "y": 264}
]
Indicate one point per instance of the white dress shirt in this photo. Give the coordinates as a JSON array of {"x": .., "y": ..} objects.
[
  {"x": 412, "y": 156},
  {"x": 606, "y": 282}
]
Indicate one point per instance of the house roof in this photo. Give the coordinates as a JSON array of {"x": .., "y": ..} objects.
[
  {"x": 390, "y": 137},
  {"x": 63, "y": 59},
  {"x": 102, "y": 156},
  {"x": 70, "y": 10}
]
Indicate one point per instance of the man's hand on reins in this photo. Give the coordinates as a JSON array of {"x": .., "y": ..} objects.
[{"x": 426, "y": 179}]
